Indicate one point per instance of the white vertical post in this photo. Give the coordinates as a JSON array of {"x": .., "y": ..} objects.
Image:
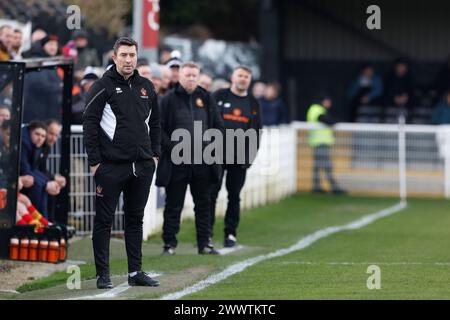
[
  {"x": 402, "y": 156},
  {"x": 150, "y": 211},
  {"x": 446, "y": 152}
]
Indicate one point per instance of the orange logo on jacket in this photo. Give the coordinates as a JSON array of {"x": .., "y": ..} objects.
[
  {"x": 143, "y": 92},
  {"x": 99, "y": 190},
  {"x": 236, "y": 116}
]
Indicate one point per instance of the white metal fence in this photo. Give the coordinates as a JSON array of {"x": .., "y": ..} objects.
[
  {"x": 270, "y": 178},
  {"x": 375, "y": 159},
  {"x": 367, "y": 159}
]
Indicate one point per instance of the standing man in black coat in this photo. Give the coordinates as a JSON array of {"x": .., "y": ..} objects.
[
  {"x": 184, "y": 109},
  {"x": 121, "y": 128},
  {"x": 241, "y": 114}
]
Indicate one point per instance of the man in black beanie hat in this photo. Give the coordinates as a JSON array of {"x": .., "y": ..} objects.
[{"x": 79, "y": 100}]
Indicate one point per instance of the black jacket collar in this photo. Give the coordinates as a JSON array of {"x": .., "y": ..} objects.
[
  {"x": 179, "y": 89},
  {"x": 116, "y": 76}
]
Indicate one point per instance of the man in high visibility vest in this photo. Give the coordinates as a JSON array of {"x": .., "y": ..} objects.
[{"x": 321, "y": 139}]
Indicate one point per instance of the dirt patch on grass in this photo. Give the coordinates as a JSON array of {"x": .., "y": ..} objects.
[{"x": 13, "y": 274}]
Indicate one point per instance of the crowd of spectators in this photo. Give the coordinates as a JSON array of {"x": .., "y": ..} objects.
[
  {"x": 397, "y": 92},
  {"x": 396, "y": 89}
]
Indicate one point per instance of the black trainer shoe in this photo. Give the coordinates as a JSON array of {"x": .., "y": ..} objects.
[
  {"x": 339, "y": 191},
  {"x": 104, "y": 282},
  {"x": 142, "y": 279},
  {"x": 168, "y": 251},
  {"x": 209, "y": 249},
  {"x": 230, "y": 241}
]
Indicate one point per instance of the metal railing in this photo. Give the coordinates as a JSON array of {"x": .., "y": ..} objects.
[
  {"x": 370, "y": 159},
  {"x": 270, "y": 178},
  {"x": 367, "y": 159}
]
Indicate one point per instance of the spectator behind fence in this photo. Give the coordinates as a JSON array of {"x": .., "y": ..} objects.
[
  {"x": 441, "y": 113},
  {"x": 79, "y": 100},
  {"x": 36, "y": 38},
  {"x": 157, "y": 78},
  {"x": 6, "y": 41},
  {"x": 273, "y": 109},
  {"x": 166, "y": 77},
  {"x": 442, "y": 81},
  {"x": 321, "y": 140},
  {"x": 220, "y": 83},
  {"x": 164, "y": 54},
  {"x": 205, "y": 81},
  {"x": 43, "y": 89},
  {"x": 16, "y": 47},
  {"x": 399, "y": 85},
  {"x": 366, "y": 89},
  {"x": 83, "y": 55},
  {"x": 144, "y": 70},
  {"x": 33, "y": 138},
  {"x": 174, "y": 63},
  {"x": 258, "y": 89}
]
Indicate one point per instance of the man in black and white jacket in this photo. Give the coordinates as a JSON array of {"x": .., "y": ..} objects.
[{"x": 121, "y": 128}]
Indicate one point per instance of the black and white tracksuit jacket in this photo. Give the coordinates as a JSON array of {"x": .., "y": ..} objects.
[{"x": 121, "y": 121}]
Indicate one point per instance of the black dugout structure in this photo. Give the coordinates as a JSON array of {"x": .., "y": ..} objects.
[{"x": 30, "y": 90}]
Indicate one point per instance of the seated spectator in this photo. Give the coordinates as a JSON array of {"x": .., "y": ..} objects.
[
  {"x": 273, "y": 109},
  {"x": 16, "y": 47},
  {"x": 33, "y": 139},
  {"x": 5, "y": 113},
  {"x": 5, "y": 151},
  {"x": 79, "y": 100},
  {"x": 205, "y": 81},
  {"x": 442, "y": 81},
  {"x": 54, "y": 129},
  {"x": 399, "y": 85},
  {"x": 6, "y": 40},
  {"x": 441, "y": 113},
  {"x": 26, "y": 213},
  {"x": 366, "y": 89}
]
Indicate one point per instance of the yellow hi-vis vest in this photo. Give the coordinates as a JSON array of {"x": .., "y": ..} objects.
[{"x": 317, "y": 137}]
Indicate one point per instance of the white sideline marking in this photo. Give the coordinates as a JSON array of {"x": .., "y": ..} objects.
[
  {"x": 225, "y": 251},
  {"x": 76, "y": 262},
  {"x": 111, "y": 293},
  {"x": 301, "y": 244},
  {"x": 343, "y": 263},
  {"x": 10, "y": 291}
]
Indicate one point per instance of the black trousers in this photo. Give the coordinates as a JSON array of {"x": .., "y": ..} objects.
[
  {"x": 322, "y": 161},
  {"x": 134, "y": 181},
  {"x": 235, "y": 179},
  {"x": 198, "y": 177}
]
